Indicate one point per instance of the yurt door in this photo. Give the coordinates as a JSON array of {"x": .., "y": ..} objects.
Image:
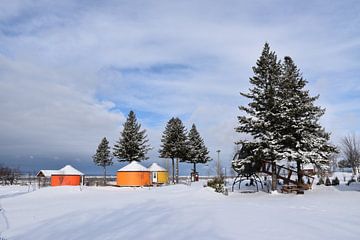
[{"x": 154, "y": 176}]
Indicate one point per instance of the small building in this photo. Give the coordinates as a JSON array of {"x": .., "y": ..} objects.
[
  {"x": 159, "y": 175},
  {"x": 67, "y": 176},
  {"x": 44, "y": 177},
  {"x": 133, "y": 175}
]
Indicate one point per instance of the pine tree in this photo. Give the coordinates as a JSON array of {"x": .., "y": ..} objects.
[
  {"x": 197, "y": 151},
  {"x": 282, "y": 117},
  {"x": 103, "y": 156},
  {"x": 302, "y": 138},
  {"x": 133, "y": 142},
  {"x": 262, "y": 117},
  {"x": 173, "y": 144}
]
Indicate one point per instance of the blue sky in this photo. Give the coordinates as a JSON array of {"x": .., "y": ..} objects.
[{"x": 71, "y": 70}]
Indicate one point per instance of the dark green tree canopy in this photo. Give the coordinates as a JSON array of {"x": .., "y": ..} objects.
[
  {"x": 133, "y": 142},
  {"x": 302, "y": 138},
  {"x": 197, "y": 151},
  {"x": 103, "y": 156},
  {"x": 173, "y": 141},
  {"x": 262, "y": 115},
  {"x": 281, "y": 116}
]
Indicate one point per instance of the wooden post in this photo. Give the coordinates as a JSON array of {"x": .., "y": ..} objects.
[
  {"x": 273, "y": 176},
  {"x": 177, "y": 170}
]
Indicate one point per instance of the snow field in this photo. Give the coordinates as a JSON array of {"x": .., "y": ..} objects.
[{"x": 179, "y": 212}]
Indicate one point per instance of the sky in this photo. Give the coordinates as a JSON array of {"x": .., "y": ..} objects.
[{"x": 70, "y": 71}]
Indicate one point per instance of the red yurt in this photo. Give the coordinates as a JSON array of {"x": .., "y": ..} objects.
[{"x": 66, "y": 176}]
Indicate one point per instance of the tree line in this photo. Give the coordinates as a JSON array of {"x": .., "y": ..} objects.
[
  {"x": 177, "y": 144},
  {"x": 9, "y": 175}
]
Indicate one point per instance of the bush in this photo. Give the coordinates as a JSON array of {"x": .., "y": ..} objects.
[
  {"x": 327, "y": 182},
  {"x": 320, "y": 182},
  {"x": 335, "y": 181},
  {"x": 217, "y": 183},
  {"x": 350, "y": 181}
]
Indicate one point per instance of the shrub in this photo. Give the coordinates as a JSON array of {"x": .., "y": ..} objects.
[
  {"x": 217, "y": 183},
  {"x": 350, "y": 181},
  {"x": 320, "y": 182},
  {"x": 335, "y": 181},
  {"x": 327, "y": 182}
]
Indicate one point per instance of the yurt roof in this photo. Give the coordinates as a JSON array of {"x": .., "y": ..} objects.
[
  {"x": 69, "y": 170},
  {"x": 48, "y": 173},
  {"x": 133, "y": 167},
  {"x": 156, "y": 168}
]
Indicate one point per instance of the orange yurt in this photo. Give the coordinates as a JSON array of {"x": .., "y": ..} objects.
[
  {"x": 67, "y": 176},
  {"x": 133, "y": 175}
]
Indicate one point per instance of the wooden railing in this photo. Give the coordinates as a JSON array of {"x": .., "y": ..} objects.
[{"x": 288, "y": 175}]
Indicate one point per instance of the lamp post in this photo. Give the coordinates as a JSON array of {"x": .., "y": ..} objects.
[
  {"x": 224, "y": 175},
  {"x": 218, "y": 167}
]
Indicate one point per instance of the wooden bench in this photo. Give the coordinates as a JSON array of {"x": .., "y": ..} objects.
[{"x": 292, "y": 189}]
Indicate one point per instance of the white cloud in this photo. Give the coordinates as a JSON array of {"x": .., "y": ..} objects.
[
  {"x": 41, "y": 116},
  {"x": 62, "y": 66}
]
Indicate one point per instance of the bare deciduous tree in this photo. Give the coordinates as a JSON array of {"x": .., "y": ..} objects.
[{"x": 350, "y": 146}]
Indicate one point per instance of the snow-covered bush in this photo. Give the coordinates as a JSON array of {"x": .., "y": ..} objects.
[
  {"x": 217, "y": 183},
  {"x": 350, "y": 181},
  {"x": 327, "y": 182},
  {"x": 335, "y": 181},
  {"x": 320, "y": 182}
]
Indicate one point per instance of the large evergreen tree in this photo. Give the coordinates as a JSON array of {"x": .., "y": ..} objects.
[
  {"x": 282, "y": 117},
  {"x": 133, "y": 142},
  {"x": 103, "y": 156},
  {"x": 302, "y": 138},
  {"x": 262, "y": 118},
  {"x": 197, "y": 151},
  {"x": 173, "y": 144}
]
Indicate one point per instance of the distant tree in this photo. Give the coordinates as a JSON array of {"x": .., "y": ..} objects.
[
  {"x": 103, "y": 156},
  {"x": 197, "y": 151},
  {"x": 344, "y": 164},
  {"x": 133, "y": 142},
  {"x": 350, "y": 146},
  {"x": 174, "y": 145},
  {"x": 9, "y": 175}
]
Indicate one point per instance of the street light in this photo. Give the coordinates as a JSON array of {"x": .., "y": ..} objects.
[{"x": 218, "y": 167}]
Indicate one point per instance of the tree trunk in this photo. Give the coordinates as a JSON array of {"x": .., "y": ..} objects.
[
  {"x": 354, "y": 170},
  {"x": 104, "y": 176},
  {"x": 194, "y": 167},
  {"x": 299, "y": 173},
  {"x": 173, "y": 170},
  {"x": 177, "y": 170},
  {"x": 273, "y": 176}
]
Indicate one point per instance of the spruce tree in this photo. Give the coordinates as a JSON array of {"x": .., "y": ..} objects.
[
  {"x": 103, "y": 156},
  {"x": 197, "y": 151},
  {"x": 173, "y": 144},
  {"x": 133, "y": 142},
  {"x": 262, "y": 118},
  {"x": 302, "y": 138}
]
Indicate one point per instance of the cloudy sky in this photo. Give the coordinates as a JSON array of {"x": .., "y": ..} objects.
[{"x": 70, "y": 71}]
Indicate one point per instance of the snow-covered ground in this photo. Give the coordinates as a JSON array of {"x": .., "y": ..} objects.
[{"x": 177, "y": 212}]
